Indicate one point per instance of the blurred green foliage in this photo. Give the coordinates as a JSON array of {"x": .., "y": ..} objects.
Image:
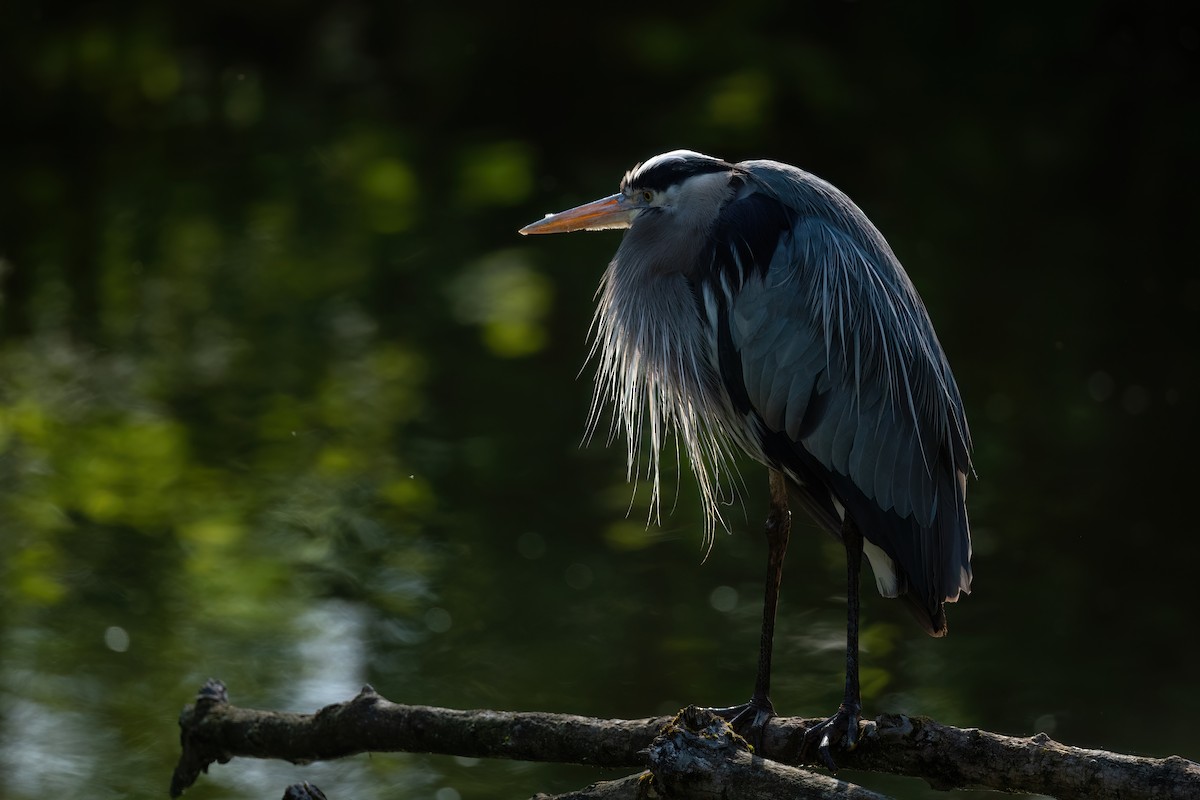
[{"x": 284, "y": 399}]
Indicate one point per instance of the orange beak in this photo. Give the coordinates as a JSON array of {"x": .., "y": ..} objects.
[{"x": 599, "y": 215}]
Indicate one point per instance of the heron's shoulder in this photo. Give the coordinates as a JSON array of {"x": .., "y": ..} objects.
[
  {"x": 799, "y": 190},
  {"x": 777, "y": 204},
  {"x": 747, "y": 233}
]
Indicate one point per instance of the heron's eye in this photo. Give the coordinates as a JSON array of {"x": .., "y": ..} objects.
[{"x": 647, "y": 195}]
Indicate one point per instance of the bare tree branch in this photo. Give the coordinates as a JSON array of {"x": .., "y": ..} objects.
[
  {"x": 944, "y": 756},
  {"x": 699, "y": 756},
  {"x": 631, "y": 787}
]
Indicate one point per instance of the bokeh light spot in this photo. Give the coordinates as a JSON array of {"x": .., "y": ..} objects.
[
  {"x": 508, "y": 299},
  {"x": 116, "y": 639},
  {"x": 1100, "y": 386},
  {"x": 531, "y": 545},
  {"x": 438, "y": 620},
  {"x": 723, "y": 598},
  {"x": 497, "y": 174}
]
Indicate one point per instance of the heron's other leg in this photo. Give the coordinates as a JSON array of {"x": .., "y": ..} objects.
[
  {"x": 841, "y": 730},
  {"x": 759, "y": 710}
]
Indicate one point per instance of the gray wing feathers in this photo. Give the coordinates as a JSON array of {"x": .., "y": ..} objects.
[
  {"x": 835, "y": 316},
  {"x": 792, "y": 344},
  {"x": 781, "y": 366}
]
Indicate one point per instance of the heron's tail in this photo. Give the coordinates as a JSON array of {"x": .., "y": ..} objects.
[{"x": 932, "y": 620}]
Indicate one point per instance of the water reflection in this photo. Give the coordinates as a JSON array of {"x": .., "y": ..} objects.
[
  {"x": 55, "y": 753},
  {"x": 331, "y": 658}
]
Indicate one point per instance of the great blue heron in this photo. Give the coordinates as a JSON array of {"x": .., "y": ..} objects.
[{"x": 754, "y": 305}]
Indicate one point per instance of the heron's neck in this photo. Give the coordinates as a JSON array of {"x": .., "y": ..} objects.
[{"x": 656, "y": 367}]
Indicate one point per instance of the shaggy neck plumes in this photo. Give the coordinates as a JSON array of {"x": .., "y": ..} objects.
[{"x": 657, "y": 370}]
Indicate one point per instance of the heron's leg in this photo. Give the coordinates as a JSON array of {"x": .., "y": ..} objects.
[
  {"x": 841, "y": 730},
  {"x": 779, "y": 524},
  {"x": 778, "y": 528}
]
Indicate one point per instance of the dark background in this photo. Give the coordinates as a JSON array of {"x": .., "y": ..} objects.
[{"x": 285, "y": 400}]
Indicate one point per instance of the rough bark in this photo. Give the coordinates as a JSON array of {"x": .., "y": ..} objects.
[{"x": 944, "y": 756}]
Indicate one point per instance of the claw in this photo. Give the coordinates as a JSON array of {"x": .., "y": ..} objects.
[
  {"x": 748, "y": 719},
  {"x": 839, "y": 731}
]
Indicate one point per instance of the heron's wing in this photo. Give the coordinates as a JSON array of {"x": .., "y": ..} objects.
[{"x": 831, "y": 351}]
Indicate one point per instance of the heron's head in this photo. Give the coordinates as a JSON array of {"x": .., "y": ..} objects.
[{"x": 682, "y": 186}]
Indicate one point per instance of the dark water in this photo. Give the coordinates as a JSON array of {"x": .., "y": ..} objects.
[{"x": 284, "y": 400}]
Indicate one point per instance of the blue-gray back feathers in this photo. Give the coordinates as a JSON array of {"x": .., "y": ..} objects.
[{"x": 832, "y": 356}]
